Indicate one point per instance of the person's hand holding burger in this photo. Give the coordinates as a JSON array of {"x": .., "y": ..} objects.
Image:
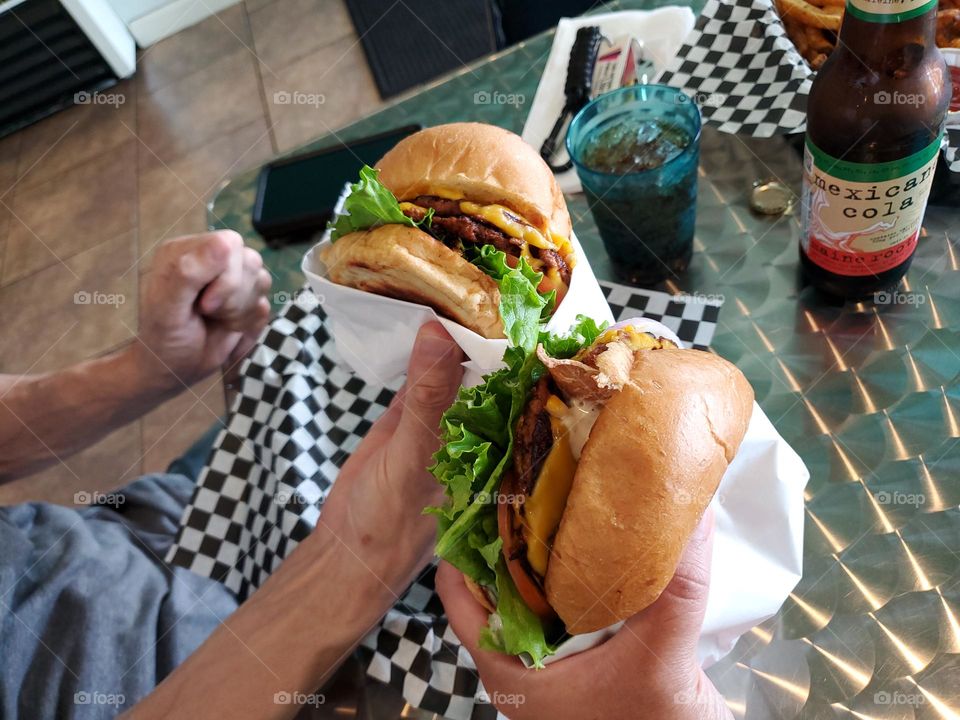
[
  {"x": 600, "y": 516},
  {"x": 648, "y": 669}
]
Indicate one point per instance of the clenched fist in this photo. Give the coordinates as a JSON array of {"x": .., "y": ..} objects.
[{"x": 204, "y": 303}]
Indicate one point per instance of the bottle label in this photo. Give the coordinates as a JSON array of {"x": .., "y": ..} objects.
[
  {"x": 863, "y": 218},
  {"x": 889, "y": 11}
]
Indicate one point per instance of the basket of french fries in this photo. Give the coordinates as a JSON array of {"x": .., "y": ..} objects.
[
  {"x": 749, "y": 64},
  {"x": 813, "y": 26}
]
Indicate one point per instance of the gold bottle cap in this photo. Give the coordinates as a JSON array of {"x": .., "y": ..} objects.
[{"x": 771, "y": 197}]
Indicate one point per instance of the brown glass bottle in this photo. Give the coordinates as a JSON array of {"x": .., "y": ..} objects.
[{"x": 874, "y": 123}]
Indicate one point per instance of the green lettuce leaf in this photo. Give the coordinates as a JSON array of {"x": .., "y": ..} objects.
[
  {"x": 477, "y": 444},
  {"x": 490, "y": 550},
  {"x": 583, "y": 332},
  {"x": 519, "y": 630},
  {"x": 370, "y": 204},
  {"x": 522, "y": 307},
  {"x": 465, "y": 462},
  {"x": 470, "y": 556},
  {"x": 477, "y": 435}
]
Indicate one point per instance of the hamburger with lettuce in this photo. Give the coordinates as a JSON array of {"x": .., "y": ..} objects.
[
  {"x": 466, "y": 218},
  {"x": 575, "y": 476}
]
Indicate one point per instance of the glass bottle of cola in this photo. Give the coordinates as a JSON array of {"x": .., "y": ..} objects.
[{"x": 875, "y": 121}]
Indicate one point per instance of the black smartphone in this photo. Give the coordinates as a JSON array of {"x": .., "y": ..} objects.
[{"x": 296, "y": 195}]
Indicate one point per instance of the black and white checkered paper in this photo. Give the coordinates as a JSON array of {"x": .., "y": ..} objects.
[
  {"x": 743, "y": 71},
  {"x": 298, "y": 416}
]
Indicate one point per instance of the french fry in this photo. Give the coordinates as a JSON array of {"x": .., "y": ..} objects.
[
  {"x": 817, "y": 41},
  {"x": 795, "y": 31},
  {"x": 807, "y": 14},
  {"x": 948, "y": 28},
  {"x": 806, "y": 23}
]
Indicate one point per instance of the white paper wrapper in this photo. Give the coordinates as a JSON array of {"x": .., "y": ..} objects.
[
  {"x": 660, "y": 32},
  {"x": 375, "y": 334},
  {"x": 758, "y": 538}
]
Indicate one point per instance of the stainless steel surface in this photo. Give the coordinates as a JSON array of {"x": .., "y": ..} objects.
[{"x": 867, "y": 395}]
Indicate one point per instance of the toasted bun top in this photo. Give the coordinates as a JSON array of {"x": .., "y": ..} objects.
[
  {"x": 484, "y": 163},
  {"x": 647, "y": 472},
  {"x": 405, "y": 263}
]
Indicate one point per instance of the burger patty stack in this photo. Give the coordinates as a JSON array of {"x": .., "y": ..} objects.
[
  {"x": 575, "y": 518},
  {"x": 458, "y": 223},
  {"x": 465, "y": 218}
]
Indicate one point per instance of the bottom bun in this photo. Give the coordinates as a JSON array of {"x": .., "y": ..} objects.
[
  {"x": 405, "y": 263},
  {"x": 480, "y": 595}
]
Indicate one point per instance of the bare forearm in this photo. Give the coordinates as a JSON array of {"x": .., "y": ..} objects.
[
  {"x": 372, "y": 539},
  {"x": 285, "y": 641},
  {"x": 44, "y": 418}
]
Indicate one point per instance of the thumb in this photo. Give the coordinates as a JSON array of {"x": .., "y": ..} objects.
[
  {"x": 433, "y": 377},
  {"x": 670, "y": 627}
]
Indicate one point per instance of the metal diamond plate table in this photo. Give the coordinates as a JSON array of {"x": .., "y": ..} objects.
[{"x": 868, "y": 394}]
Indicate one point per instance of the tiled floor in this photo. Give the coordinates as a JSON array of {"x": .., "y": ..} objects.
[{"x": 87, "y": 194}]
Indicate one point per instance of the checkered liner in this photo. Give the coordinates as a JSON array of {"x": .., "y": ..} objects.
[
  {"x": 298, "y": 416},
  {"x": 746, "y": 75}
]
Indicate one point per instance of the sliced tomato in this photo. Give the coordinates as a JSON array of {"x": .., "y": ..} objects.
[
  {"x": 529, "y": 589},
  {"x": 546, "y": 285},
  {"x": 561, "y": 293}
]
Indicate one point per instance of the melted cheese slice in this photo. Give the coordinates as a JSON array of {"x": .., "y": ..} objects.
[
  {"x": 637, "y": 340},
  {"x": 409, "y": 206},
  {"x": 544, "y": 508},
  {"x": 554, "y": 276},
  {"x": 502, "y": 218},
  {"x": 564, "y": 248}
]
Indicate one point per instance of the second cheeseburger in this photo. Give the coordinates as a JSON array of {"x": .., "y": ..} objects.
[
  {"x": 617, "y": 447},
  {"x": 466, "y": 218}
]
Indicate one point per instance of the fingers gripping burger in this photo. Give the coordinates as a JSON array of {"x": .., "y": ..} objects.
[
  {"x": 466, "y": 218},
  {"x": 576, "y": 519}
]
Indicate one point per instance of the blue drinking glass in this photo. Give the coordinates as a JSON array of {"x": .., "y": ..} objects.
[{"x": 636, "y": 151}]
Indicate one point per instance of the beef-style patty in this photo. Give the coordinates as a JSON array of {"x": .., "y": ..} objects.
[
  {"x": 449, "y": 224},
  {"x": 451, "y": 227},
  {"x": 534, "y": 438},
  {"x": 474, "y": 231},
  {"x": 441, "y": 206},
  {"x": 552, "y": 259}
]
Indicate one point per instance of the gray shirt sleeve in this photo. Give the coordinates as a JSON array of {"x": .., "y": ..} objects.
[{"x": 91, "y": 619}]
